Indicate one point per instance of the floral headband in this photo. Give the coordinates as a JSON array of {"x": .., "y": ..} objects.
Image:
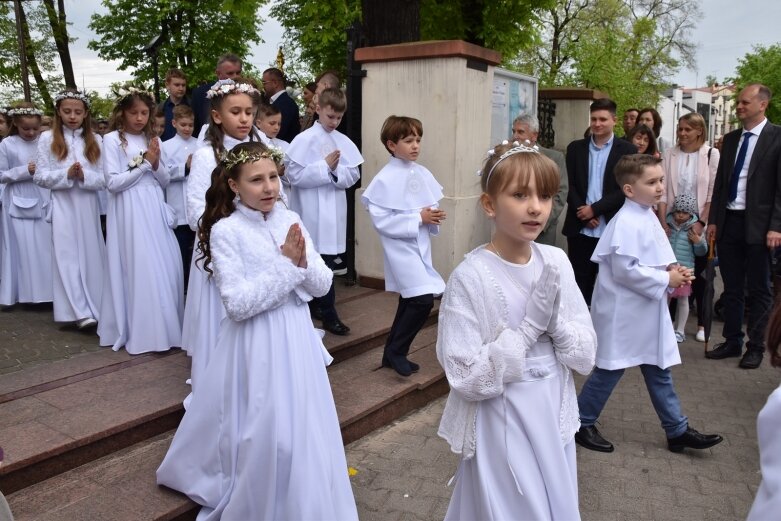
[
  {"x": 81, "y": 96},
  {"x": 231, "y": 159},
  {"x": 518, "y": 148},
  {"x": 124, "y": 91},
  {"x": 224, "y": 87},
  {"x": 24, "y": 111}
]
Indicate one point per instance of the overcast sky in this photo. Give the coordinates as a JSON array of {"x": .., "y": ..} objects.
[{"x": 727, "y": 32}]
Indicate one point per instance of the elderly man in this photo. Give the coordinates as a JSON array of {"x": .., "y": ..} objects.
[
  {"x": 228, "y": 66},
  {"x": 277, "y": 96},
  {"x": 526, "y": 128},
  {"x": 745, "y": 220}
]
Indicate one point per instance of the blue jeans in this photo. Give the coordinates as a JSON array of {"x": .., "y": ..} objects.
[{"x": 659, "y": 382}]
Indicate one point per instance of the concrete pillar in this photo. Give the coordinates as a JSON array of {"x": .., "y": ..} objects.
[{"x": 447, "y": 85}]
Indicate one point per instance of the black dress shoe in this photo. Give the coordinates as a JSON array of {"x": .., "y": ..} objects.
[
  {"x": 693, "y": 440},
  {"x": 316, "y": 313},
  {"x": 591, "y": 439},
  {"x": 725, "y": 350},
  {"x": 336, "y": 327},
  {"x": 403, "y": 368},
  {"x": 751, "y": 360}
]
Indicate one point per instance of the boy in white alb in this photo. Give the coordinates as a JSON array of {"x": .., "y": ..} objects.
[
  {"x": 402, "y": 200},
  {"x": 321, "y": 164},
  {"x": 629, "y": 310},
  {"x": 177, "y": 153}
]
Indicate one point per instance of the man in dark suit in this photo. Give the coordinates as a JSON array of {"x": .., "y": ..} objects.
[
  {"x": 228, "y": 66},
  {"x": 274, "y": 88},
  {"x": 526, "y": 127},
  {"x": 745, "y": 220},
  {"x": 594, "y": 195}
]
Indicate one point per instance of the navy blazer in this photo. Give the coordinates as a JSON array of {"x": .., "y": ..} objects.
[
  {"x": 763, "y": 189},
  {"x": 577, "y": 172},
  {"x": 291, "y": 125}
]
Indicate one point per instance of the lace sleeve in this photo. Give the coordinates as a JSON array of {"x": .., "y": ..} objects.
[
  {"x": 475, "y": 369},
  {"x": 573, "y": 335}
]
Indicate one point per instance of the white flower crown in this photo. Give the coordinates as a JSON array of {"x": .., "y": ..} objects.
[
  {"x": 224, "y": 87},
  {"x": 81, "y": 96},
  {"x": 124, "y": 91},
  {"x": 24, "y": 111}
]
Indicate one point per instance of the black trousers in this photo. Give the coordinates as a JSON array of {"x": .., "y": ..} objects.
[
  {"x": 581, "y": 248},
  {"x": 185, "y": 237},
  {"x": 327, "y": 303},
  {"x": 410, "y": 317},
  {"x": 744, "y": 267}
]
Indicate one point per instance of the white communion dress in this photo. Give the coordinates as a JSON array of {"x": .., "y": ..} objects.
[
  {"x": 512, "y": 411},
  {"x": 27, "y": 233},
  {"x": 142, "y": 296},
  {"x": 79, "y": 250},
  {"x": 260, "y": 439}
]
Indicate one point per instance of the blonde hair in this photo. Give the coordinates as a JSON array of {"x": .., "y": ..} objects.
[
  {"x": 696, "y": 121},
  {"x": 518, "y": 168}
]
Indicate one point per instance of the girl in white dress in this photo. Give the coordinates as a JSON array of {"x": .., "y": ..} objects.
[
  {"x": 141, "y": 307},
  {"x": 69, "y": 165},
  {"x": 27, "y": 236},
  {"x": 233, "y": 103},
  {"x": 260, "y": 439},
  {"x": 512, "y": 325}
]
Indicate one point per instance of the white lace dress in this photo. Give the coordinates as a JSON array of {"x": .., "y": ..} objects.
[
  {"x": 260, "y": 439},
  {"x": 512, "y": 411}
]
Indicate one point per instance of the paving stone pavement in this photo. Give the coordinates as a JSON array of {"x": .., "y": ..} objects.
[{"x": 403, "y": 468}]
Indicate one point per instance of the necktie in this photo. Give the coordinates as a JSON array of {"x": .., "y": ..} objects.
[{"x": 733, "y": 183}]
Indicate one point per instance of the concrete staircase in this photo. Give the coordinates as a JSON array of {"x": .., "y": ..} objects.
[{"x": 84, "y": 436}]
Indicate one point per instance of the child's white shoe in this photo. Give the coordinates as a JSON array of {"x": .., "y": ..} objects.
[
  {"x": 700, "y": 335},
  {"x": 680, "y": 337}
]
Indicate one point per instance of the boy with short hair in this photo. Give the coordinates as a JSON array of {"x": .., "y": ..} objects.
[
  {"x": 158, "y": 126},
  {"x": 637, "y": 269},
  {"x": 403, "y": 201},
  {"x": 177, "y": 153},
  {"x": 321, "y": 164},
  {"x": 269, "y": 122},
  {"x": 176, "y": 85}
]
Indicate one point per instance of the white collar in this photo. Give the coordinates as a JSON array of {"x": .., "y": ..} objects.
[
  {"x": 276, "y": 96},
  {"x": 757, "y": 130}
]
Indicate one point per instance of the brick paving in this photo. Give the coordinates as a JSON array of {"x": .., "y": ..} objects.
[{"x": 403, "y": 468}]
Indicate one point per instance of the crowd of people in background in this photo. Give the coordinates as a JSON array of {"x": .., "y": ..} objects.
[{"x": 216, "y": 222}]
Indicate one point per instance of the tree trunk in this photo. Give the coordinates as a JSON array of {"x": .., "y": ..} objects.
[
  {"x": 387, "y": 22},
  {"x": 59, "y": 27},
  {"x": 43, "y": 89},
  {"x": 472, "y": 15}
]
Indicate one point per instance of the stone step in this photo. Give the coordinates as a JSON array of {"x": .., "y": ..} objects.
[{"x": 121, "y": 486}]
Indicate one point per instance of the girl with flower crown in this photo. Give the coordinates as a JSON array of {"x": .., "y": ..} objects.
[
  {"x": 512, "y": 326},
  {"x": 233, "y": 103},
  {"x": 69, "y": 165},
  {"x": 27, "y": 236},
  {"x": 260, "y": 439},
  {"x": 143, "y": 289}
]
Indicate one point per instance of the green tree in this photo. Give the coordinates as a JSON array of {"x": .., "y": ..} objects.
[
  {"x": 41, "y": 54},
  {"x": 318, "y": 29},
  {"x": 195, "y": 33},
  {"x": 629, "y": 49},
  {"x": 762, "y": 65}
]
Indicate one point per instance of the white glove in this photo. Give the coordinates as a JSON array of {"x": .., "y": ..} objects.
[{"x": 541, "y": 305}]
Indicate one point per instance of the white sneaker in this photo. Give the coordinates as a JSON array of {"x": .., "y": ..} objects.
[
  {"x": 700, "y": 335},
  {"x": 680, "y": 337},
  {"x": 84, "y": 323}
]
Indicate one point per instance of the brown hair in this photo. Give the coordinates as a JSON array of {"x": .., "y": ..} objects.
[
  {"x": 647, "y": 132},
  {"x": 220, "y": 197},
  {"x": 655, "y": 116},
  {"x": 397, "y": 128},
  {"x": 60, "y": 148},
  {"x": 182, "y": 111},
  {"x": 518, "y": 168},
  {"x": 333, "y": 98},
  {"x": 331, "y": 77},
  {"x": 631, "y": 167},
  {"x": 117, "y": 115},
  {"x": 14, "y": 120},
  {"x": 774, "y": 335},
  {"x": 696, "y": 121},
  {"x": 267, "y": 110},
  {"x": 214, "y": 133},
  {"x": 175, "y": 73}
]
